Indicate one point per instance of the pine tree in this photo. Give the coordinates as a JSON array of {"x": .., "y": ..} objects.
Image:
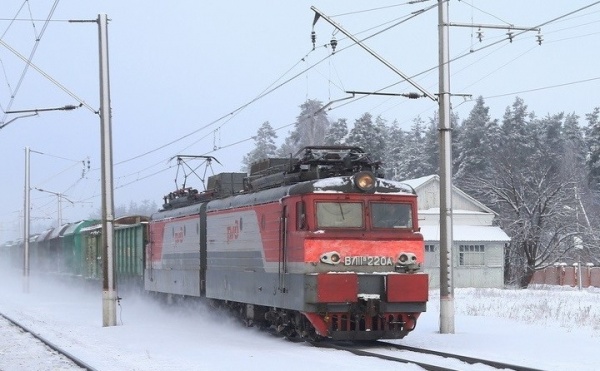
[
  {"x": 336, "y": 135},
  {"x": 395, "y": 144},
  {"x": 593, "y": 146},
  {"x": 431, "y": 147},
  {"x": 474, "y": 144},
  {"x": 368, "y": 136},
  {"x": 517, "y": 143},
  {"x": 309, "y": 129},
  {"x": 378, "y": 142},
  {"x": 264, "y": 145},
  {"x": 413, "y": 155}
]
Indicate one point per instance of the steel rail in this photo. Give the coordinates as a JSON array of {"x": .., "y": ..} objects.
[{"x": 49, "y": 344}]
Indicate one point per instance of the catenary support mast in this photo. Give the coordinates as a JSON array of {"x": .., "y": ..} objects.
[
  {"x": 109, "y": 285},
  {"x": 445, "y": 139}
]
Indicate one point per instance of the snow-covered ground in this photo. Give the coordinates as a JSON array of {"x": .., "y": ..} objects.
[{"x": 545, "y": 328}]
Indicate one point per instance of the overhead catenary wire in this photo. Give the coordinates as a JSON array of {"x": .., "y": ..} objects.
[
  {"x": 47, "y": 76},
  {"x": 232, "y": 113},
  {"x": 378, "y": 8},
  {"x": 262, "y": 95},
  {"x": 471, "y": 51},
  {"x": 13, "y": 19},
  {"x": 540, "y": 88},
  {"x": 276, "y": 87},
  {"x": 38, "y": 38},
  {"x": 386, "y": 87},
  {"x": 230, "y": 117},
  {"x": 286, "y": 125},
  {"x": 484, "y": 12},
  {"x": 35, "y": 34}
]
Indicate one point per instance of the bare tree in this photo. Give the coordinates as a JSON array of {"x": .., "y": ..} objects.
[
  {"x": 531, "y": 209},
  {"x": 532, "y": 186}
]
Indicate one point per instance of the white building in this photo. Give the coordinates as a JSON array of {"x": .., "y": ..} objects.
[{"x": 478, "y": 245}]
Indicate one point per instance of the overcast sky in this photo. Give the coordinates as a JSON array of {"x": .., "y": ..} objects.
[{"x": 183, "y": 74}]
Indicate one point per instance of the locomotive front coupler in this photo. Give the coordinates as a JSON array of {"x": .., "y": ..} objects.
[{"x": 370, "y": 305}]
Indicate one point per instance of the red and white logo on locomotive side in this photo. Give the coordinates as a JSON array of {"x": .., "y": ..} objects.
[{"x": 233, "y": 231}]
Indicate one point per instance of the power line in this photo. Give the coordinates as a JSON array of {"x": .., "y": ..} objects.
[
  {"x": 38, "y": 38},
  {"x": 378, "y": 8},
  {"x": 55, "y": 82},
  {"x": 268, "y": 91},
  {"x": 543, "y": 88},
  {"x": 460, "y": 56},
  {"x": 13, "y": 19}
]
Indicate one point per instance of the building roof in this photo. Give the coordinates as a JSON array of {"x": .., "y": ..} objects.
[
  {"x": 466, "y": 233},
  {"x": 431, "y": 183},
  {"x": 418, "y": 182}
]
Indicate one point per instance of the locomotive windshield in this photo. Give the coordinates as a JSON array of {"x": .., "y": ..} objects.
[
  {"x": 386, "y": 215},
  {"x": 339, "y": 214}
]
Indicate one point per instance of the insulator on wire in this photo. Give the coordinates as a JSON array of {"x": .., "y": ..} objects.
[
  {"x": 510, "y": 35},
  {"x": 539, "y": 38},
  {"x": 480, "y": 34},
  {"x": 333, "y": 44},
  {"x": 313, "y": 37}
]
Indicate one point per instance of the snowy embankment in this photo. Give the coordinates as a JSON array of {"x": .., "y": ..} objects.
[{"x": 544, "y": 328}]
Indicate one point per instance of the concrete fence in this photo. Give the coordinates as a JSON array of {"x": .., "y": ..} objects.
[{"x": 565, "y": 275}]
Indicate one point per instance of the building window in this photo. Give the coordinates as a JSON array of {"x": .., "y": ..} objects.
[
  {"x": 432, "y": 258},
  {"x": 430, "y": 248},
  {"x": 471, "y": 255}
]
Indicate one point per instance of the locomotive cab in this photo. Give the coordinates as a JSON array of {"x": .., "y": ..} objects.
[{"x": 361, "y": 255}]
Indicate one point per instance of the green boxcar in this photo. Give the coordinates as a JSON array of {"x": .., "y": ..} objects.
[
  {"x": 92, "y": 240},
  {"x": 74, "y": 252},
  {"x": 130, "y": 240}
]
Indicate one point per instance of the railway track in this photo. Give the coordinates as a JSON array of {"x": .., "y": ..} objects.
[
  {"x": 373, "y": 349},
  {"x": 49, "y": 344}
]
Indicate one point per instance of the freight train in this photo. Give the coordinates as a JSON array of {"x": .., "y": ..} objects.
[
  {"x": 74, "y": 250},
  {"x": 316, "y": 245}
]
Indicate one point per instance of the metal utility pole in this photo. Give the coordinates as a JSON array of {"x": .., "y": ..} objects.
[
  {"x": 26, "y": 220},
  {"x": 109, "y": 285},
  {"x": 60, "y": 196},
  {"x": 445, "y": 140}
]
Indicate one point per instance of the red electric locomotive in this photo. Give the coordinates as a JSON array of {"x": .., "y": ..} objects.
[{"x": 314, "y": 245}]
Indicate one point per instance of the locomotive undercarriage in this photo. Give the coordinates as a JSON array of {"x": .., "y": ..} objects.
[{"x": 363, "y": 321}]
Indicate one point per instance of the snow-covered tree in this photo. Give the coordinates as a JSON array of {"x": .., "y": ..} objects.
[
  {"x": 368, "y": 136},
  {"x": 264, "y": 145},
  {"x": 414, "y": 154},
  {"x": 394, "y": 144},
  {"x": 431, "y": 146},
  {"x": 527, "y": 190},
  {"x": 310, "y": 128},
  {"x": 593, "y": 144},
  {"x": 475, "y": 144},
  {"x": 336, "y": 135}
]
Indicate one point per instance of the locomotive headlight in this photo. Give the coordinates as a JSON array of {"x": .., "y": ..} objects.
[
  {"x": 365, "y": 180},
  {"x": 407, "y": 263},
  {"x": 407, "y": 258},
  {"x": 332, "y": 257}
]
